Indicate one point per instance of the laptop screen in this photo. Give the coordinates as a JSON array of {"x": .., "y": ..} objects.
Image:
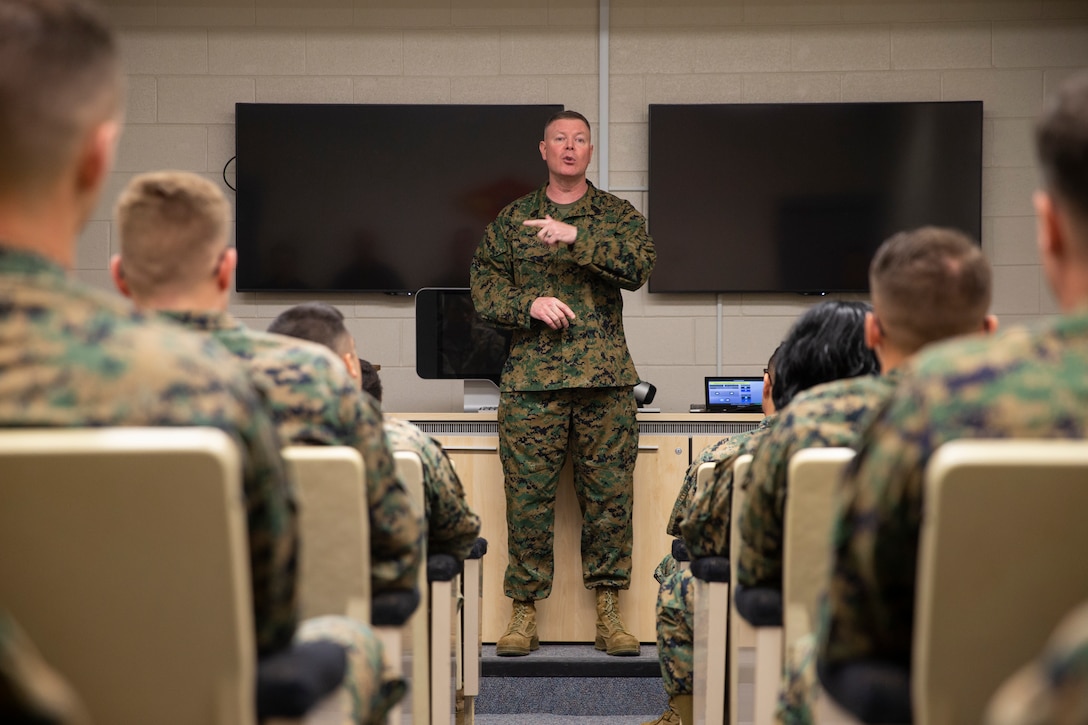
[{"x": 734, "y": 394}]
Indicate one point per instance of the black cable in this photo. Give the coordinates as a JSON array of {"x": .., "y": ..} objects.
[{"x": 232, "y": 158}]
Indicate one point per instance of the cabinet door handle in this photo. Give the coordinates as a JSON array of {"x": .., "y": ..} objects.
[
  {"x": 489, "y": 449},
  {"x": 647, "y": 448}
]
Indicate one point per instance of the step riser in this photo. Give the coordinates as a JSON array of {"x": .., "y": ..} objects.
[{"x": 596, "y": 696}]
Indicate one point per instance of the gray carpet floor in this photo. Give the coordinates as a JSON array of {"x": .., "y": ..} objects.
[{"x": 615, "y": 689}]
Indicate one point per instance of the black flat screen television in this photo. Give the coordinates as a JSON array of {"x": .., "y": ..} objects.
[
  {"x": 796, "y": 197},
  {"x": 453, "y": 342},
  {"x": 375, "y": 198}
]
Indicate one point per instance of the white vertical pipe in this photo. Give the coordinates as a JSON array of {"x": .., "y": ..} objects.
[
  {"x": 718, "y": 334},
  {"x": 602, "y": 96}
]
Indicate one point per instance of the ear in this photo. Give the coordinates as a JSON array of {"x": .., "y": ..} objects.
[
  {"x": 117, "y": 272},
  {"x": 874, "y": 337},
  {"x": 989, "y": 324},
  {"x": 352, "y": 361},
  {"x": 543, "y": 151},
  {"x": 226, "y": 268},
  {"x": 1048, "y": 228},
  {"x": 96, "y": 159}
]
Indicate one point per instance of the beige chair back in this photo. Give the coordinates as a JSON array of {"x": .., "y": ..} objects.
[
  {"x": 742, "y": 636},
  {"x": 415, "y": 639},
  {"x": 1000, "y": 561},
  {"x": 334, "y": 525},
  {"x": 710, "y": 623},
  {"x": 814, "y": 475},
  {"x": 125, "y": 559}
]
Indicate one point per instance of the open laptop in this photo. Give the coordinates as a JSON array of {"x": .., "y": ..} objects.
[{"x": 737, "y": 394}]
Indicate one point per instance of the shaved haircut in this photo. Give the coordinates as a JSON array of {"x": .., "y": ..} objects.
[
  {"x": 60, "y": 76},
  {"x": 929, "y": 284},
  {"x": 174, "y": 226}
]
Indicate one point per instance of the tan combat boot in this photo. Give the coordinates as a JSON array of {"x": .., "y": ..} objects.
[
  {"x": 685, "y": 705},
  {"x": 612, "y": 636},
  {"x": 520, "y": 638},
  {"x": 669, "y": 717}
]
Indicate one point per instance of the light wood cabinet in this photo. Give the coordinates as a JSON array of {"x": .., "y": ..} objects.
[{"x": 665, "y": 447}]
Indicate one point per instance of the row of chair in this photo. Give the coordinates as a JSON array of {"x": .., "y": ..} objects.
[
  {"x": 126, "y": 561},
  {"x": 1002, "y": 529}
]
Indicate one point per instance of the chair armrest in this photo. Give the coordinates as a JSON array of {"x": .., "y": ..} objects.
[
  {"x": 442, "y": 567},
  {"x": 760, "y": 606},
  {"x": 393, "y": 607},
  {"x": 478, "y": 549},
  {"x": 291, "y": 682},
  {"x": 873, "y": 692},
  {"x": 711, "y": 568},
  {"x": 679, "y": 551}
]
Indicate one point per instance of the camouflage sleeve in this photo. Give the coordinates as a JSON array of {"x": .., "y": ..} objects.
[
  {"x": 272, "y": 518},
  {"x": 452, "y": 526},
  {"x": 615, "y": 246},
  {"x": 705, "y": 527},
  {"x": 494, "y": 293},
  {"x": 761, "y": 521},
  {"x": 713, "y": 452},
  {"x": 1053, "y": 688},
  {"x": 396, "y": 531},
  {"x": 870, "y": 611}
]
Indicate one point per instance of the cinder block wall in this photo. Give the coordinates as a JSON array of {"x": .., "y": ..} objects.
[{"x": 190, "y": 61}]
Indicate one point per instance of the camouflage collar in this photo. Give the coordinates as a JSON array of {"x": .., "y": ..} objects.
[
  {"x": 895, "y": 374},
  {"x": 202, "y": 321},
  {"x": 28, "y": 264},
  {"x": 586, "y": 206}
]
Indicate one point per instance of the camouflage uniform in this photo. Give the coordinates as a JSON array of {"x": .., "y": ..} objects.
[
  {"x": 1053, "y": 690},
  {"x": 1024, "y": 383},
  {"x": 364, "y": 698},
  {"x": 568, "y": 388},
  {"x": 797, "y": 697},
  {"x": 825, "y": 416},
  {"x": 74, "y": 357},
  {"x": 452, "y": 526},
  {"x": 314, "y": 400},
  {"x": 705, "y": 525},
  {"x": 725, "y": 448},
  {"x": 675, "y": 599}
]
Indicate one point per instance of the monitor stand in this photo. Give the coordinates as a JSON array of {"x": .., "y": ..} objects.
[{"x": 481, "y": 395}]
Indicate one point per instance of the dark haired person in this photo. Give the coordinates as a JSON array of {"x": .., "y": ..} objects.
[
  {"x": 927, "y": 285},
  {"x": 832, "y": 326},
  {"x": 452, "y": 525},
  {"x": 551, "y": 267},
  {"x": 1023, "y": 383},
  {"x": 321, "y": 323}
]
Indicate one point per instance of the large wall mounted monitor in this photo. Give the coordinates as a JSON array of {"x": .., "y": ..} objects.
[
  {"x": 797, "y": 197},
  {"x": 375, "y": 198}
]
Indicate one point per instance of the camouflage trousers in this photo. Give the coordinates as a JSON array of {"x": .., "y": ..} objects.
[
  {"x": 675, "y": 638},
  {"x": 365, "y": 697},
  {"x": 537, "y": 430}
]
